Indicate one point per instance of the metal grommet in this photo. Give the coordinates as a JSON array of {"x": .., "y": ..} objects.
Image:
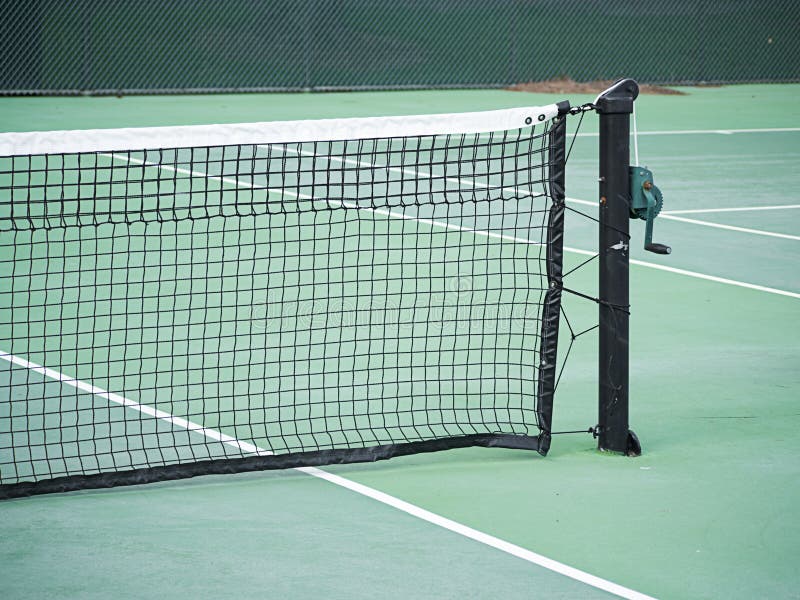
[{"x": 528, "y": 121}]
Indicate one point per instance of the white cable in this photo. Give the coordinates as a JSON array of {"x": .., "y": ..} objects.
[{"x": 635, "y": 139}]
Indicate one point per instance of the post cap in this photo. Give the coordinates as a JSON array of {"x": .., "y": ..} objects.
[{"x": 618, "y": 98}]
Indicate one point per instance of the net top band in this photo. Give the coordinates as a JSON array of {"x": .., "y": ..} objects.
[{"x": 276, "y": 132}]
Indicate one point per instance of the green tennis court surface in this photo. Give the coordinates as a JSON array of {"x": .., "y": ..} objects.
[
  {"x": 234, "y": 301},
  {"x": 709, "y": 510}
]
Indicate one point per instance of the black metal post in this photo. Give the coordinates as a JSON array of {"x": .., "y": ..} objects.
[{"x": 615, "y": 106}]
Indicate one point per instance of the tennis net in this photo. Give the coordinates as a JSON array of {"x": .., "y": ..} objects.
[{"x": 191, "y": 300}]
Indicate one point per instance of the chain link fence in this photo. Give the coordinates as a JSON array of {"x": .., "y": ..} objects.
[{"x": 170, "y": 46}]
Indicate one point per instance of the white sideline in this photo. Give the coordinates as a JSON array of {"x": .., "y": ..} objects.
[
  {"x": 696, "y": 275},
  {"x": 142, "y": 408},
  {"x": 641, "y": 263},
  {"x": 281, "y": 191},
  {"x": 479, "y": 536},
  {"x": 244, "y": 184},
  {"x": 670, "y": 215},
  {"x": 406, "y": 507},
  {"x": 730, "y": 209},
  {"x": 785, "y": 236},
  {"x": 706, "y": 131}
]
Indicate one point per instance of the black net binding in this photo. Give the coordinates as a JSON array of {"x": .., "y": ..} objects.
[{"x": 176, "y": 312}]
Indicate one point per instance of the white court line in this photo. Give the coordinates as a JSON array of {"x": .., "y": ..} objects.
[
  {"x": 230, "y": 181},
  {"x": 406, "y": 507},
  {"x": 377, "y": 211},
  {"x": 696, "y": 275},
  {"x": 706, "y": 131},
  {"x": 411, "y": 172},
  {"x": 732, "y": 209},
  {"x": 434, "y": 223},
  {"x": 142, "y": 408},
  {"x": 672, "y": 217},
  {"x": 479, "y": 536},
  {"x": 641, "y": 263},
  {"x": 785, "y": 236},
  {"x": 579, "y": 201}
]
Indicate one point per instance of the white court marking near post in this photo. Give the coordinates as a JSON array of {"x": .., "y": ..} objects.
[
  {"x": 691, "y": 211},
  {"x": 670, "y": 215},
  {"x": 750, "y": 230},
  {"x": 707, "y": 131},
  {"x": 382, "y": 497},
  {"x": 641, "y": 263}
]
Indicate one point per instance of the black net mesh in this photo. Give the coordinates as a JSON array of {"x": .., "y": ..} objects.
[{"x": 258, "y": 306}]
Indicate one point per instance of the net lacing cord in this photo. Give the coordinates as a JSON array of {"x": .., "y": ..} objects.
[{"x": 595, "y": 430}]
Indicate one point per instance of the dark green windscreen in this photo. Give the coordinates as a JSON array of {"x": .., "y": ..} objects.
[{"x": 195, "y": 45}]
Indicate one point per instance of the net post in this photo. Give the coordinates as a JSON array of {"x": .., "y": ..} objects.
[{"x": 614, "y": 107}]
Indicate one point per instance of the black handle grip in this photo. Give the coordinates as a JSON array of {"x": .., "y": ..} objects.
[{"x": 658, "y": 248}]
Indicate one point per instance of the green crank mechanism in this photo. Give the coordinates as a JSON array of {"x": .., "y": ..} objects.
[{"x": 646, "y": 203}]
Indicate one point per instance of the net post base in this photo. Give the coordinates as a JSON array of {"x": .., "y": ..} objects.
[{"x": 633, "y": 447}]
